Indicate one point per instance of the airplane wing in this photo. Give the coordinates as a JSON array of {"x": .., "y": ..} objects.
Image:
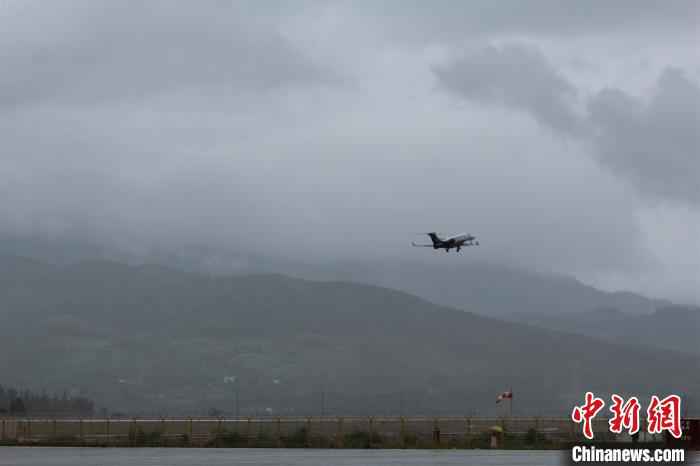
[{"x": 421, "y": 245}]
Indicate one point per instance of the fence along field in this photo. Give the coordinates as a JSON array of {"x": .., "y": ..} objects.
[{"x": 310, "y": 432}]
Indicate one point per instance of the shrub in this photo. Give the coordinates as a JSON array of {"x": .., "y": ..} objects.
[{"x": 361, "y": 439}]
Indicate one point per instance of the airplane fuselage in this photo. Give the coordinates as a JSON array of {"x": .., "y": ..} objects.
[{"x": 452, "y": 242}]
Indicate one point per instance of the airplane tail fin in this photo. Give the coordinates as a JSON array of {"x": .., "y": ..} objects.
[{"x": 434, "y": 238}]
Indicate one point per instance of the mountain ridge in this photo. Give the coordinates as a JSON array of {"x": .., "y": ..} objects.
[{"x": 143, "y": 339}]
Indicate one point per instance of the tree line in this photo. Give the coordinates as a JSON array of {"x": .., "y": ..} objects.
[{"x": 16, "y": 402}]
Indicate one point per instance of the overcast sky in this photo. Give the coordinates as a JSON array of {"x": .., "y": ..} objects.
[{"x": 564, "y": 135}]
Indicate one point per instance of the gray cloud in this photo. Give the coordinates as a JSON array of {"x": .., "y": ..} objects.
[
  {"x": 455, "y": 20},
  {"x": 163, "y": 124},
  {"x": 131, "y": 50},
  {"x": 516, "y": 76},
  {"x": 655, "y": 146}
]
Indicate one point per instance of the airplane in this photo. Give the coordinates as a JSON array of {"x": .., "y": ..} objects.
[{"x": 457, "y": 242}]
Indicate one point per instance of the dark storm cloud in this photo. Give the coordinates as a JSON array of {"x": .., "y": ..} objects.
[
  {"x": 655, "y": 145},
  {"x": 130, "y": 50}
]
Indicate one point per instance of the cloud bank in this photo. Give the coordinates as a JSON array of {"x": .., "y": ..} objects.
[
  {"x": 654, "y": 145},
  {"x": 563, "y": 136}
]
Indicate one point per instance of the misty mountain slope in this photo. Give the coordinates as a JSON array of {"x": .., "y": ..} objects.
[
  {"x": 488, "y": 289},
  {"x": 454, "y": 280},
  {"x": 672, "y": 327},
  {"x": 549, "y": 301},
  {"x": 151, "y": 339}
]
